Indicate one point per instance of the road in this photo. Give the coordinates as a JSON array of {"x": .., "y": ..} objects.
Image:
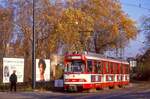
[{"x": 134, "y": 91}]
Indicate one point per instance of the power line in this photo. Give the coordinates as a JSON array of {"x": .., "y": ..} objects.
[{"x": 134, "y": 5}]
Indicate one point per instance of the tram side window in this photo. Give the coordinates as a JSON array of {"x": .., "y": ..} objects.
[
  {"x": 89, "y": 64},
  {"x": 102, "y": 64},
  {"x": 100, "y": 67},
  {"x": 127, "y": 69},
  {"x": 107, "y": 69},
  {"x": 121, "y": 68},
  {"x": 111, "y": 67},
  {"x": 114, "y": 68},
  {"x": 117, "y": 67},
  {"x": 97, "y": 67},
  {"x": 124, "y": 69}
]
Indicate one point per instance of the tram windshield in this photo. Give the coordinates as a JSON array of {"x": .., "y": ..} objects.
[{"x": 75, "y": 66}]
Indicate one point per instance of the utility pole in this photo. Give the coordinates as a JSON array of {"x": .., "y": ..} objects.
[{"x": 33, "y": 48}]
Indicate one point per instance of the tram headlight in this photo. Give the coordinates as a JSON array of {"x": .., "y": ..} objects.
[{"x": 82, "y": 80}]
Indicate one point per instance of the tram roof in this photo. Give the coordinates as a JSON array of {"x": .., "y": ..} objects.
[{"x": 95, "y": 56}]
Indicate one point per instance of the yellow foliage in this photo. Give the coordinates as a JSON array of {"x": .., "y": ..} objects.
[{"x": 77, "y": 23}]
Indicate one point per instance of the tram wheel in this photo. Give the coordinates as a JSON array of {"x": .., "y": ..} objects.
[
  {"x": 111, "y": 87},
  {"x": 92, "y": 90},
  {"x": 120, "y": 86}
]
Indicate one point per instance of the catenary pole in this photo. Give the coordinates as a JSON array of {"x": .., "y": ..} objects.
[{"x": 33, "y": 47}]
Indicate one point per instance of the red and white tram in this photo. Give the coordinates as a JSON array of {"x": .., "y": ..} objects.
[{"x": 88, "y": 71}]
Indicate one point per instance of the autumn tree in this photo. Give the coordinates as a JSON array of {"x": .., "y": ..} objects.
[
  {"x": 75, "y": 23},
  {"x": 111, "y": 24},
  {"x": 70, "y": 29},
  {"x": 146, "y": 28},
  {"x": 6, "y": 33},
  {"x": 143, "y": 69},
  {"x": 102, "y": 22},
  {"x": 6, "y": 29},
  {"x": 23, "y": 21},
  {"x": 45, "y": 20}
]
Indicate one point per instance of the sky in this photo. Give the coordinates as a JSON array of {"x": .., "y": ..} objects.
[{"x": 135, "y": 9}]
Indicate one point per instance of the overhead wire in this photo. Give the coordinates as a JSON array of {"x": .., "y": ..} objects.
[{"x": 134, "y": 5}]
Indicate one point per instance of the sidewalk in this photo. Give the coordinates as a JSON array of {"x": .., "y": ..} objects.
[{"x": 13, "y": 95}]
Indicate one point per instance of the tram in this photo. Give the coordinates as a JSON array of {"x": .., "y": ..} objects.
[{"x": 89, "y": 70}]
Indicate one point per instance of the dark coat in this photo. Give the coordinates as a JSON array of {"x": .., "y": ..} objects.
[{"x": 13, "y": 78}]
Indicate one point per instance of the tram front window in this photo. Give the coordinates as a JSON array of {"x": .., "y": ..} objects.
[{"x": 75, "y": 66}]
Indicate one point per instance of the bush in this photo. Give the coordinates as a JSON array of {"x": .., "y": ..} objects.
[
  {"x": 4, "y": 87},
  {"x": 59, "y": 72},
  {"x": 143, "y": 72}
]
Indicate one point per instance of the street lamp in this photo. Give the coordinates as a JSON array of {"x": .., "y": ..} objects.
[{"x": 33, "y": 49}]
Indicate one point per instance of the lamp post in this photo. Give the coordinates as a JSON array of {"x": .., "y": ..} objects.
[{"x": 33, "y": 49}]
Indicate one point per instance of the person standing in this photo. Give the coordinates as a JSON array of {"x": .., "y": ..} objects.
[{"x": 13, "y": 81}]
